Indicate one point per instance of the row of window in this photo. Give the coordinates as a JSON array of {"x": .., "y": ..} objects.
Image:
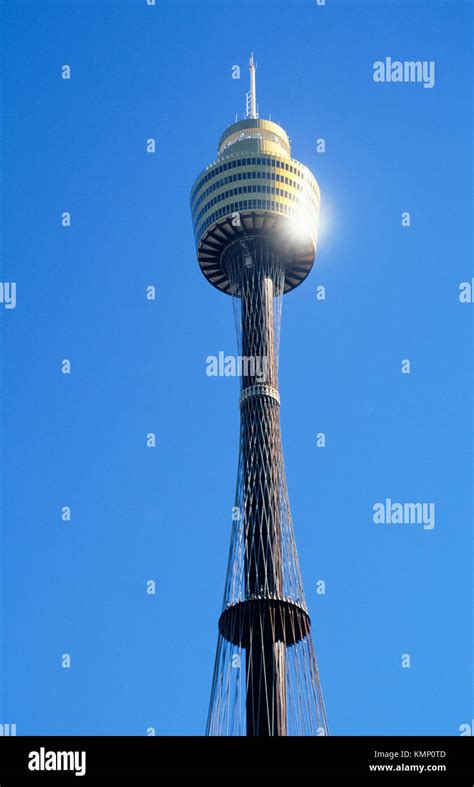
[
  {"x": 247, "y": 162},
  {"x": 246, "y": 204},
  {"x": 252, "y": 133},
  {"x": 254, "y": 175},
  {"x": 247, "y": 190}
]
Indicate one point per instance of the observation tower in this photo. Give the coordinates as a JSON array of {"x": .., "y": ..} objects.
[{"x": 255, "y": 213}]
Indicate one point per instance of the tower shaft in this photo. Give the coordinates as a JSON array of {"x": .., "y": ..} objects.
[{"x": 265, "y": 658}]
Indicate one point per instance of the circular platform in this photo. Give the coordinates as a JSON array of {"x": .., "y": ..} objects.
[
  {"x": 275, "y": 619},
  {"x": 297, "y": 252}
]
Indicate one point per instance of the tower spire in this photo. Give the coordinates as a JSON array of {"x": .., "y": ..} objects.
[{"x": 253, "y": 89}]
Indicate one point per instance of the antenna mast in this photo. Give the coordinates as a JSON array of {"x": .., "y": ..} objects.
[{"x": 253, "y": 90}]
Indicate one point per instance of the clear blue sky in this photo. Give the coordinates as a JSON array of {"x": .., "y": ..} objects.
[{"x": 138, "y": 366}]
